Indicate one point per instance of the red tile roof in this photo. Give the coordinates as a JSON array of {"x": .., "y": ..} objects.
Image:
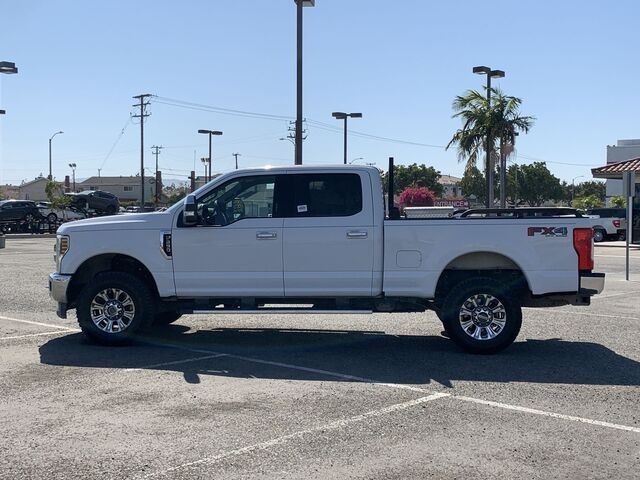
[{"x": 615, "y": 170}]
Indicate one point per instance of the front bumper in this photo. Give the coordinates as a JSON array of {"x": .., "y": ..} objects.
[{"x": 58, "y": 286}]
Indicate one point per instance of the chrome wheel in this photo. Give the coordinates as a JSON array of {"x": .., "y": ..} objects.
[
  {"x": 482, "y": 317},
  {"x": 112, "y": 310}
]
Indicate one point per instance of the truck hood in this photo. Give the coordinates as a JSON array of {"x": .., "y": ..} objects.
[{"x": 139, "y": 221}]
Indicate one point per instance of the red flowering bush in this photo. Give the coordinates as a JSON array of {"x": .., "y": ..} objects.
[{"x": 417, "y": 197}]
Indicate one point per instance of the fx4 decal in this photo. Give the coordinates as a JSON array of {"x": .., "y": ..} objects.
[{"x": 547, "y": 231}]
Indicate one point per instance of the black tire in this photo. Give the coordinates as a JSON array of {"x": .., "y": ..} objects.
[
  {"x": 599, "y": 235},
  {"x": 622, "y": 236},
  {"x": 482, "y": 289},
  {"x": 29, "y": 218},
  {"x": 137, "y": 292},
  {"x": 110, "y": 210},
  {"x": 52, "y": 218},
  {"x": 165, "y": 318}
]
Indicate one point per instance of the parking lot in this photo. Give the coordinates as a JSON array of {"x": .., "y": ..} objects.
[{"x": 317, "y": 396}]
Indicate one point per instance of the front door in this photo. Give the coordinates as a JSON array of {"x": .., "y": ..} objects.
[
  {"x": 236, "y": 249},
  {"x": 329, "y": 236}
]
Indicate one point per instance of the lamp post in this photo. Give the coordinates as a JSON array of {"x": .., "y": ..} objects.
[
  {"x": 50, "y": 177},
  {"x": 205, "y": 161},
  {"x": 210, "y": 133},
  {"x": 236, "y": 155},
  {"x": 355, "y": 160},
  {"x": 73, "y": 170},
  {"x": 298, "y": 133},
  {"x": 482, "y": 70},
  {"x": 573, "y": 187},
  {"x": 344, "y": 116}
]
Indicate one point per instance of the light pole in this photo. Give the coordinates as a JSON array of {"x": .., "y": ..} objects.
[
  {"x": 355, "y": 160},
  {"x": 573, "y": 187},
  {"x": 482, "y": 70},
  {"x": 298, "y": 134},
  {"x": 205, "y": 161},
  {"x": 344, "y": 116},
  {"x": 50, "y": 177},
  {"x": 236, "y": 155},
  {"x": 210, "y": 133},
  {"x": 73, "y": 170}
]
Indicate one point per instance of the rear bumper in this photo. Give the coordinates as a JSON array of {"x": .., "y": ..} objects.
[{"x": 591, "y": 283}]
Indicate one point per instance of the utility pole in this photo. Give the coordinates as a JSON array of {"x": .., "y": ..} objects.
[
  {"x": 156, "y": 153},
  {"x": 236, "y": 155},
  {"x": 142, "y": 115}
]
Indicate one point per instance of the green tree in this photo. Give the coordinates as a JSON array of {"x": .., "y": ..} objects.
[
  {"x": 501, "y": 119},
  {"x": 585, "y": 203},
  {"x": 414, "y": 175},
  {"x": 473, "y": 184},
  {"x": 55, "y": 196},
  {"x": 619, "y": 201},
  {"x": 536, "y": 184},
  {"x": 591, "y": 187}
]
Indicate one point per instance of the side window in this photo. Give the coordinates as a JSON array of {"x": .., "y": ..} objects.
[
  {"x": 245, "y": 197},
  {"x": 327, "y": 195}
]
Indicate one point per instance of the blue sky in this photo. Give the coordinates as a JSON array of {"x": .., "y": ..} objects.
[{"x": 400, "y": 63}]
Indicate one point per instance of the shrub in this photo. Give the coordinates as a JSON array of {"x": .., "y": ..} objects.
[{"x": 417, "y": 197}]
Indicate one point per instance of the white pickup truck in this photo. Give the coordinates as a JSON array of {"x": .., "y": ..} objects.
[{"x": 316, "y": 239}]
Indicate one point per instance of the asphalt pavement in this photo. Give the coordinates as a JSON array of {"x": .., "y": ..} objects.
[{"x": 317, "y": 396}]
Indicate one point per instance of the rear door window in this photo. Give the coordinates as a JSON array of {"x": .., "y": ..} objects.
[{"x": 326, "y": 195}]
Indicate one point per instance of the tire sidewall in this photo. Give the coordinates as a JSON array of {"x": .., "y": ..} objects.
[
  {"x": 599, "y": 235},
  {"x": 466, "y": 289},
  {"x": 134, "y": 287}
]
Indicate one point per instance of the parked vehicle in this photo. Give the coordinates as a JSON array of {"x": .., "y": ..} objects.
[
  {"x": 310, "y": 239},
  {"x": 98, "y": 200},
  {"x": 608, "y": 224},
  {"x": 54, "y": 214},
  {"x": 19, "y": 211}
]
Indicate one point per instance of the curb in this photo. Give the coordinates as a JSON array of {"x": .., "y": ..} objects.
[{"x": 18, "y": 236}]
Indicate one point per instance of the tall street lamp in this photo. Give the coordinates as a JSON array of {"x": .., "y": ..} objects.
[
  {"x": 210, "y": 133},
  {"x": 73, "y": 169},
  {"x": 344, "y": 116},
  {"x": 236, "y": 155},
  {"x": 50, "y": 177},
  {"x": 298, "y": 134},
  {"x": 482, "y": 70},
  {"x": 8, "y": 67}
]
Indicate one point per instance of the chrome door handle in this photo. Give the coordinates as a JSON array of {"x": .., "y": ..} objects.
[
  {"x": 266, "y": 235},
  {"x": 357, "y": 234}
]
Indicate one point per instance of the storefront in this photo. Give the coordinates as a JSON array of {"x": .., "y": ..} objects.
[{"x": 615, "y": 171}]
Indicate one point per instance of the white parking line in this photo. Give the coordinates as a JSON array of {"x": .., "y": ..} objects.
[
  {"x": 166, "y": 364},
  {"x": 2, "y": 317},
  {"x": 57, "y": 332},
  {"x": 616, "y": 256},
  {"x": 336, "y": 425},
  {"x": 549, "y": 312},
  {"x": 546, "y": 414},
  {"x": 600, "y": 297}
]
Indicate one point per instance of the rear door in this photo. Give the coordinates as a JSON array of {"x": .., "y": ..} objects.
[{"x": 328, "y": 234}]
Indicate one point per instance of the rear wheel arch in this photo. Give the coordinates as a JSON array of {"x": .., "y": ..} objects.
[{"x": 482, "y": 264}]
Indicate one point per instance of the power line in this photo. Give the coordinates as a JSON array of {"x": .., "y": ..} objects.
[{"x": 142, "y": 115}]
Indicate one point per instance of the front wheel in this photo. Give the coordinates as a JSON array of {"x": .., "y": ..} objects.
[
  {"x": 482, "y": 315},
  {"x": 52, "y": 218},
  {"x": 113, "y": 306}
]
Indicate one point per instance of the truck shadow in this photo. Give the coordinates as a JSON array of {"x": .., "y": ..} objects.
[{"x": 298, "y": 354}]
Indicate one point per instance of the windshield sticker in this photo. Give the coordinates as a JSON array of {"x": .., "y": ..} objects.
[
  {"x": 547, "y": 231},
  {"x": 302, "y": 208}
]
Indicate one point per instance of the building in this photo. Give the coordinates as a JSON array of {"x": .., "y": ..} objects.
[
  {"x": 623, "y": 150},
  {"x": 35, "y": 190},
  {"x": 127, "y": 189},
  {"x": 451, "y": 186},
  {"x": 9, "y": 191}
]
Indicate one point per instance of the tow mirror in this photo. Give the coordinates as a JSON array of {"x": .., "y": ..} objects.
[{"x": 190, "y": 216}]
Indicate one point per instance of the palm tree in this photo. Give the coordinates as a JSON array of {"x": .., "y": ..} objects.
[{"x": 499, "y": 121}]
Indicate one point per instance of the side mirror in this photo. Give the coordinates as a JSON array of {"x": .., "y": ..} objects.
[{"x": 190, "y": 215}]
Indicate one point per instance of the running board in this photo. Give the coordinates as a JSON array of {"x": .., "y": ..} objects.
[{"x": 240, "y": 311}]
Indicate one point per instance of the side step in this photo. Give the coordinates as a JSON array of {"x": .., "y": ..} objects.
[{"x": 241, "y": 311}]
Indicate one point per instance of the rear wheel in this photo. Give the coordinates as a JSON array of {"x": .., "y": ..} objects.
[
  {"x": 482, "y": 315},
  {"x": 52, "y": 218},
  {"x": 599, "y": 235},
  {"x": 113, "y": 307},
  {"x": 110, "y": 210},
  {"x": 622, "y": 236}
]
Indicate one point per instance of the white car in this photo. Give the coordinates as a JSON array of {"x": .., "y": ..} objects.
[
  {"x": 54, "y": 214},
  {"x": 310, "y": 239}
]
